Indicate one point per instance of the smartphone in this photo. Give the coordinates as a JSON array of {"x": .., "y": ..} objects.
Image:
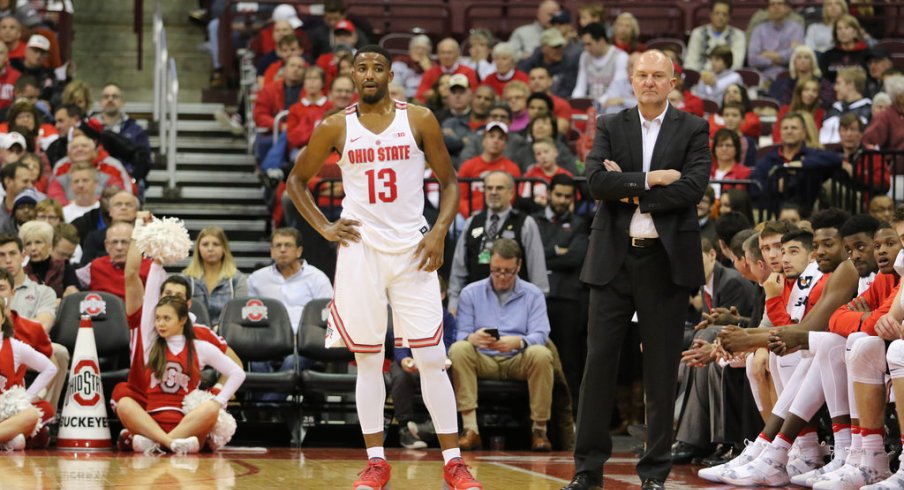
[{"x": 493, "y": 332}]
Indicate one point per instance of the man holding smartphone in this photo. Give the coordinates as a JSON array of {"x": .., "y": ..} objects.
[{"x": 502, "y": 334}]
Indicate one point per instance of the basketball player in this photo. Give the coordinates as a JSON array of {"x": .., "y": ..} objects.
[{"x": 387, "y": 252}]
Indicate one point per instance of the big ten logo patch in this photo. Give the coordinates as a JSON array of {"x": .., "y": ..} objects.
[
  {"x": 254, "y": 310},
  {"x": 92, "y": 305},
  {"x": 84, "y": 384},
  {"x": 174, "y": 379}
]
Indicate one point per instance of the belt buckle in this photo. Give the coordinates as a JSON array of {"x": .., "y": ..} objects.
[{"x": 637, "y": 242}]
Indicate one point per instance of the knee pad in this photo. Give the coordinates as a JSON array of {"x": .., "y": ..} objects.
[
  {"x": 867, "y": 361},
  {"x": 895, "y": 357},
  {"x": 821, "y": 343}
]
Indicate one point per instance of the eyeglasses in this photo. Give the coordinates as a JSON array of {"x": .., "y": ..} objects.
[
  {"x": 501, "y": 272},
  {"x": 48, "y": 217}
]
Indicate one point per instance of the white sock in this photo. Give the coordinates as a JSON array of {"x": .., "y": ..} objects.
[
  {"x": 436, "y": 388},
  {"x": 450, "y": 454},
  {"x": 842, "y": 439},
  {"x": 541, "y": 426},
  {"x": 370, "y": 392},
  {"x": 376, "y": 452},
  {"x": 873, "y": 443},
  {"x": 808, "y": 441},
  {"x": 781, "y": 443}
]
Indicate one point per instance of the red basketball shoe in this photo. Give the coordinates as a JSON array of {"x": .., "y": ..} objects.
[
  {"x": 456, "y": 476},
  {"x": 375, "y": 476}
]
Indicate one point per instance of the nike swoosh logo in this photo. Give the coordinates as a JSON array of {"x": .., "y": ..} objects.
[{"x": 356, "y": 139}]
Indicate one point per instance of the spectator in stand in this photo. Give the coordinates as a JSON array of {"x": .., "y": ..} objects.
[
  {"x": 544, "y": 168},
  {"x": 459, "y": 101},
  {"x": 499, "y": 220},
  {"x": 750, "y": 125},
  {"x": 821, "y": 35},
  {"x": 772, "y": 42},
  {"x": 287, "y": 12},
  {"x": 564, "y": 237},
  {"x": 515, "y": 96},
  {"x": 793, "y": 153},
  {"x": 492, "y": 159},
  {"x": 620, "y": 95},
  {"x": 212, "y": 273},
  {"x": 334, "y": 11},
  {"x": 505, "y": 70},
  {"x": 83, "y": 187},
  {"x": 50, "y": 211},
  {"x": 589, "y": 13},
  {"x": 543, "y": 127},
  {"x": 459, "y": 128},
  {"x": 849, "y": 87},
  {"x": 705, "y": 215},
  {"x": 410, "y": 68},
  {"x": 439, "y": 93},
  {"x": 277, "y": 54},
  {"x": 850, "y": 48},
  {"x": 312, "y": 101},
  {"x": 8, "y": 77},
  {"x": 717, "y": 33},
  {"x": 24, "y": 115},
  {"x": 540, "y": 81},
  {"x": 16, "y": 178},
  {"x": 24, "y": 206},
  {"x": 735, "y": 200},
  {"x": 115, "y": 119},
  {"x": 479, "y": 43},
  {"x": 474, "y": 146},
  {"x": 68, "y": 118},
  {"x": 345, "y": 40},
  {"x": 11, "y": 35},
  {"x": 273, "y": 99},
  {"x": 878, "y": 61},
  {"x": 106, "y": 273},
  {"x": 573, "y": 45},
  {"x": 82, "y": 150},
  {"x": 526, "y": 38},
  {"x": 719, "y": 76},
  {"x": 38, "y": 238},
  {"x": 600, "y": 65},
  {"x": 626, "y": 33},
  {"x": 517, "y": 311},
  {"x": 805, "y": 99},
  {"x": 12, "y": 147},
  {"x": 65, "y": 242},
  {"x": 727, "y": 160},
  {"x": 286, "y": 47},
  {"x": 38, "y": 168},
  {"x": 867, "y": 171},
  {"x": 33, "y": 63},
  {"x": 732, "y": 114},
  {"x": 302, "y": 119},
  {"x": 551, "y": 55},
  {"x": 803, "y": 65},
  {"x": 887, "y": 130},
  {"x": 881, "y": 101},
  {"x": 447, "y": 52},
  {"x": 882, "y": 208},
  {"x": 77, "y": 92},
  {"x": 115, "y": 206}
]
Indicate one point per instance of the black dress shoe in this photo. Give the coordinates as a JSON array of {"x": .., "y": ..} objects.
[
  {"x": 684, "y": 453},
  {"x": 583, "y": 481},
  {"x": 723, "y": 454},
  {"x": 652, "y": 484}
]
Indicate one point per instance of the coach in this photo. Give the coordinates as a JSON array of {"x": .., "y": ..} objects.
[{"x": 649, "y": 167}]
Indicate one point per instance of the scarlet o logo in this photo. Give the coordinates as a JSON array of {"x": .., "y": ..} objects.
[
  {"x": 85, "y": 383},
  {"x": 254, "y": 310},
  {"x": 92, "y": 305}
]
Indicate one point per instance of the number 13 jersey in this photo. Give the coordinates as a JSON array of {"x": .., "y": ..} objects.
[{"x": 383, "y": 180}]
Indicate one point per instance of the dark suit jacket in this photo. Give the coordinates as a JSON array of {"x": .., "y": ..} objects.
[
  {"x": 731, "y": 289},
  {"x": 682, "y": 145}
]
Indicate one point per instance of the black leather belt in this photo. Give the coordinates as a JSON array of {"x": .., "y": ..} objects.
[{"x": 644, "y": 242}]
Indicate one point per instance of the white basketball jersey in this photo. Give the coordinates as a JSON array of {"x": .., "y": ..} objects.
[{"x": 383, "y": 179}]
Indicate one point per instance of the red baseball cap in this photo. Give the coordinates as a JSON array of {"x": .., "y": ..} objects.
[{"x": 344, "y": 25}]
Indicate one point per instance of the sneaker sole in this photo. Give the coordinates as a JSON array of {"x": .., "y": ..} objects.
[{"x": 416, "y": 445}]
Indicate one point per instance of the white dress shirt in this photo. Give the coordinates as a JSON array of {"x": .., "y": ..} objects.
[{"x": 642, "y": 223}]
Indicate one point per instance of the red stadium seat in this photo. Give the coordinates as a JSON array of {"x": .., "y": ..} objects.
[
  {"x": 750, "y": 76},
  {"x": 581, "y": 103},
  {"x": 765, "y": 102},
  {"x": 710, "y": 106},
  {"x": 691, "y": 77}
]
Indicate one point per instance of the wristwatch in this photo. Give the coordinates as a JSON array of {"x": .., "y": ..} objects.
[{"x": 523, "y": 343}]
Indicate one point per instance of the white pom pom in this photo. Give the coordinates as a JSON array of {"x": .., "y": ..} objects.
[
  {"x": 164, "y": 239},
  {"x": 223, "y": 430},
  {"x": 13, "y": 401}
]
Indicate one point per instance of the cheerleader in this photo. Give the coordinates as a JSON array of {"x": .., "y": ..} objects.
[
  {"x": 176, "y": 416},
  {"x": 22, "y": 413}
]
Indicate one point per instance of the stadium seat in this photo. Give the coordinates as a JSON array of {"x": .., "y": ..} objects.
[
  {"x": 581, "y": 104},
  {"x": 750, "y": 76},
  {"x": 668, "y": 43},
  {"x": 396, "y": 43},
  {"x": 691, "y": 77},
  {"x": 202, "y": 316},
  {"x": 111, "y": 331},
  {"x": 710, "y": 106},
  {"x": 258, "y": 329},
  {"x": 311, "y": 332},
  {"x": 765, "y": 102}
]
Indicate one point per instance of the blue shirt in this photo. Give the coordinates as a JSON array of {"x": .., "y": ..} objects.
[{"x": 523, "y": 313}]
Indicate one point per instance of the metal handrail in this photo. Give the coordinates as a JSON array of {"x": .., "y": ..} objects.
[
  {"x": 172, "y": 99},
  {"x": 284, "y": 114},
  {"x": 166, "y": 98}
]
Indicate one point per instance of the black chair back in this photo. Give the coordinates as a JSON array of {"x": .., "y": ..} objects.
[
  {"x": 257, "y": 329},
  {"x": 108, "y": 316}
]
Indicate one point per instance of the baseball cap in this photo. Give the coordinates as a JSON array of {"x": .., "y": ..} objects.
[
  {"x": 877, "y": 54},
  {"x": 560, "y": 17},
  {"x": 344, "y": 25},
  {"x": 38, "y": 41},
  {"x": 28, "y": 196},
  {"x": 11, "y": 139},
  {"x": 459, "y": 80},
  {"x": 501, "y": 126},
  {"x": 287, "y": 12},
  {"x": 552, "y": 37}
]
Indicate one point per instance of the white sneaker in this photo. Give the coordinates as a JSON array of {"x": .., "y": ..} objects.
[
  {"x": 188, "y": 445},
  {"x": 836, "y": 463},
  {"x": 142, "y": 444},
  {"x": 850, "y": 465},
  {"x": 805, "y": 462},
  {"x": 15, "y": 444},
  {"x": 768, "y": 469},
  {"x": 873, "y": 468},
  {"x": 895, "y": 482},
  {"x": 753, "y": 449}
]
